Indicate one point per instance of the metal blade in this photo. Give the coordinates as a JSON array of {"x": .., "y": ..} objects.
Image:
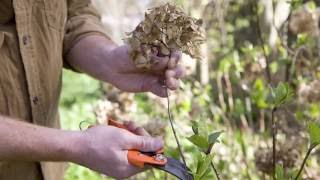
[{"x": 177, "y": 169}]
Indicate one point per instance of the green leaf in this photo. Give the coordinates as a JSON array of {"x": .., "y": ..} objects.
[
  {"x": 279, "y": 172},
  {"x": 199, "y": 141},
  {"x": 195, "y": 127},
  {"x": 314, "y": 133},
  {"x": 203, "y": 167},
  {"x": 280, "y": 95},
  {"x": 213, "y": 138},
  {"x": 259, "y": 93}
]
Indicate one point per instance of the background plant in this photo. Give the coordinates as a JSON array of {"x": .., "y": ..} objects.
[{"x": 231, "y": 89}]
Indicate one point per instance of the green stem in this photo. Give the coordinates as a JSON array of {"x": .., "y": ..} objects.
[
  {"x": 305, "y": 160},
  {"x": 212, "y": 165},
  {"x": 215, "y": 171},
  {"x": 274, "y": 142},
  {"x": 173, "y": 129}
]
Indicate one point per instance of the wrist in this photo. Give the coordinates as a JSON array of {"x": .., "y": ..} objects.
[{"x": 75, "y": 147}]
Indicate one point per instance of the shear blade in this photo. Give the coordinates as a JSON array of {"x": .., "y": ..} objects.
[{"x": 177, "y": 169}]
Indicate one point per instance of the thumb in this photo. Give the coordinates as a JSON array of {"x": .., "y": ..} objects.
[{"x": 146, "y": 144}]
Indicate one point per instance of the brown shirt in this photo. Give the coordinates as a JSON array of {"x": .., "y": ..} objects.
[{"x": 34, "y": 37}]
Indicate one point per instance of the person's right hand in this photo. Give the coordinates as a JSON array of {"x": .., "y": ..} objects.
[{"x": 105, "y": 148}]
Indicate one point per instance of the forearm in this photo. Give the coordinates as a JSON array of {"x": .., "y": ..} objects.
[
  {"x": 21, "y": 141},
  {"x": 91, "y": 56}
]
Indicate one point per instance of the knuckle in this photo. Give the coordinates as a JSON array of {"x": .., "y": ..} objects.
[{"x": 170, "y": 73}]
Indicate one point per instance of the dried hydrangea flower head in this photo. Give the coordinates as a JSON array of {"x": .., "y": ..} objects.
[{"x": 165, "y": 28}]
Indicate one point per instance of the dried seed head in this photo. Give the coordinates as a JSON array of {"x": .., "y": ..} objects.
[
  {"x": 303, "y": 20},
  {"x": 286, "y": 154},
  {"x": 310, "y": 92},
  {"x": 168, "y": 28}
]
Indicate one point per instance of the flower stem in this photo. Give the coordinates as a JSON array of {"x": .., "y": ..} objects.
[
  {"x": 212, "y": 165},
  {"x": 305, "y": 160},
  {"x": 274, "y": 142}
]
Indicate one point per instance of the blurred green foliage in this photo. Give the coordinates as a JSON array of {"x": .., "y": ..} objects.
[
  {"x": 237, "y": 99},
  {"x": 79, "y": 95}
]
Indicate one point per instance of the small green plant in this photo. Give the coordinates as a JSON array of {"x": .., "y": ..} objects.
[
  {"x": 278, "y": 96},
  {"x": 204, "y": 141}
]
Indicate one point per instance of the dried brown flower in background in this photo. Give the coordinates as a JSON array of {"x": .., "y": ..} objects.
[
  {"x": 287, "y": 155},
  {"x": 155, "y": 127},
  {"x": 310, "y": 92},
  {"x": 117, "y": 104},
  {"x": 165, "y": 28},
  {"x": 303, "y": 20}
]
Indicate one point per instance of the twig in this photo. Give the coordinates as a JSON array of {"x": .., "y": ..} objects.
[
  {"x": 274, "y": 142},
  {"x": 173, "y": 129},
  {"x": 212, "y": 165},
  {"x": 215, "y": 171},
  {"x": 229, "y": 91},
  {"x": 222, "y": 101},
  {"x": 254, "y": 8},
  {"x": 295, "y": 61},
  {"x": 305, "y": 160}
]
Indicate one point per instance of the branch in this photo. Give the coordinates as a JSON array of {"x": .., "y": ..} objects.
[
  {"x": 305, "y": 160},
  {"x": 254, "y": 9},
  {"x": 173, "y": 129}
]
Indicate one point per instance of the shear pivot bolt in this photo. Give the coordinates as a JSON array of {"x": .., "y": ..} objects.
[{"x": 159, "y": 157}]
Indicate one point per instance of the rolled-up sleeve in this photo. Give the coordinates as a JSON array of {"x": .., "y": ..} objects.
[{"x": 83, "y": 20}]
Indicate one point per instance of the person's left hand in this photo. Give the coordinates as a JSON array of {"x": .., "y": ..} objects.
[{"x": 165, "y": 72}]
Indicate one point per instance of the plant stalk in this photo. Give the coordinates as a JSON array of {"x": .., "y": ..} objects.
[
  {"x": 212, "y": 165},
  {"x": 215, "y": 171},
  {"x": 254, "y": 9},
  {"x": 173, "y": 129},
  {"x": 274, "y": 142},
  {"x": 305, "y": 160}
]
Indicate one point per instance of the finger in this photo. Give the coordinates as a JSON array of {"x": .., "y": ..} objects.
[
  {"x": 140, "y": 83},
  {"x": 134, "y": 128},
  {"x": 144, "y": 143},
  {"x": 159, "y": 90},
  {"x": 128, "y": 169},
  {"x": 180, "y": 71},
  {"x": 170, "y": 73},
  {"x": 175, "y": 58},
  {"x": 159, "y": 63},
  {"x": 141, "y": 131},
  {"x": 154, "y": 85},
  {"x": 172, "y": 83},
  {"x": 177, "y": 73}
]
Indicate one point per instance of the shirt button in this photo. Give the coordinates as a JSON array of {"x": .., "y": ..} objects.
[
  {"x": 35, "y": 100},
  {"x": 25, "y": 40}
]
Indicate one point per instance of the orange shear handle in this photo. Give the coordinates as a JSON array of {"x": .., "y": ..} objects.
[{"x": 138, "y": 158}]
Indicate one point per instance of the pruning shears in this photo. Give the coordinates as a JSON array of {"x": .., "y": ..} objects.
[{"x": 155, "y": 159}]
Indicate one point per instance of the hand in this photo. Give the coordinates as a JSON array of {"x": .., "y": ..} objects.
[
  {"x": 128, "y": 78},
  {"x": 104, "y": 60},
  {"x": 105, "y": 149}
]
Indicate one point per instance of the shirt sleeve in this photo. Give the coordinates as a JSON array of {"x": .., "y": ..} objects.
[{"x": 83, "y": 20}]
